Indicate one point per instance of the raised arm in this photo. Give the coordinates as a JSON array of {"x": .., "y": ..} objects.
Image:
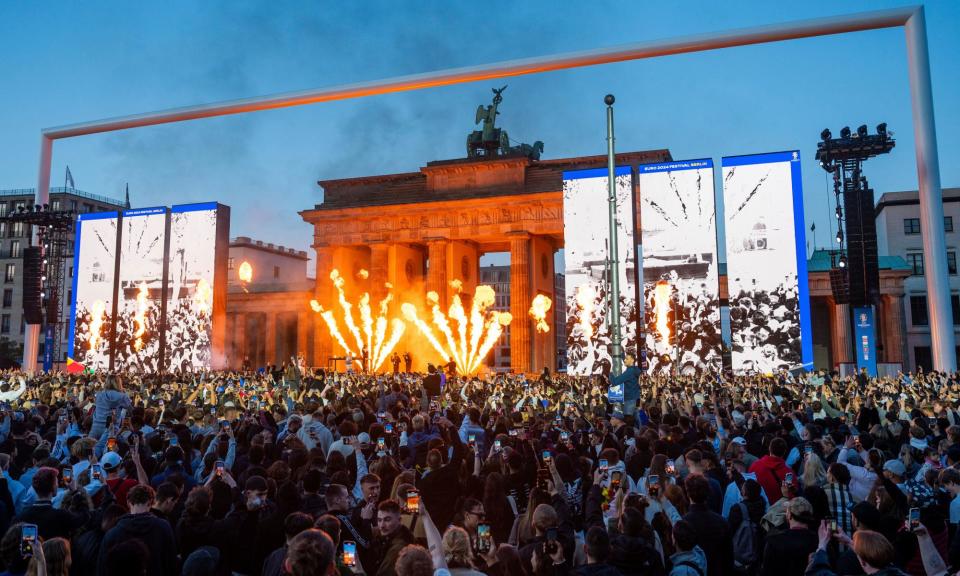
[{"x": 434, "y": 539}]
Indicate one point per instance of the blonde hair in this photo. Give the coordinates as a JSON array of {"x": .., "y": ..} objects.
[
  {"x": 406, "y": 478},
  {"x": 813, "y": 472},
  {"x": 456, "y": 548}
]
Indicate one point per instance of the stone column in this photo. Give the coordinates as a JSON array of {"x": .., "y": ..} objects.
[
  {"x": 437, "y": 280},
  {"x": 239, "y": 339},
  {"x": 521, "y": 337},
  {"x": 379, "y": 272},
  {"x": 303, "y": 328},
  {"x": 270, "y": 338},
  {"x": 841, "y": 339},
  {"x": 892, "y": 318},
  {"x": 542, "y": 282}
]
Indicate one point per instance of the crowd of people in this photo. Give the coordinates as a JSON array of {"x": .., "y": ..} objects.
[{"x": 307, "y": 472}]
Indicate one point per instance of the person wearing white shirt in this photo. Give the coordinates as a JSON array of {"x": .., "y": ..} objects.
[
  {"x": 8, "y": 394},
  {"x": 862, "y": 478}
]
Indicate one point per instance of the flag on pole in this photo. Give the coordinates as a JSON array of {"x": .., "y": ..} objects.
[
  {"x": 70, "y": 183},
  {"x": 74, "y": 367},
  {"x": 813, "y": 227}
]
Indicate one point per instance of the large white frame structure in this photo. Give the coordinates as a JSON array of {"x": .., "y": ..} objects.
[{"x": 918, "y": 63}]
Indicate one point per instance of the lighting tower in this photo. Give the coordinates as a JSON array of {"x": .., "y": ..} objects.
[{"x": 855, "y": 274}]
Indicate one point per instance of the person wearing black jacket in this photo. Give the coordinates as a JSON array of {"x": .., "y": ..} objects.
[
  {"x": 246, "y": 554},
  {"x": 140, "y": 524},
  {"x": 632, "y": 548},
  {"x": 352, "y": 528},
  {"x": 197, "y": 528},
  {"x": 392, "y": 537},
  {"x": 85, "y": 548},
  {"x": 546, "y": 518},
  {"x": 597, "y": 547},
  {"x": 713, "y": 532},
  {"x": 51, "y": 522},
  {"x": 787, "y": 552},
  {"x": 432, "y": 382},
  {"x": 439, "y": 485}
]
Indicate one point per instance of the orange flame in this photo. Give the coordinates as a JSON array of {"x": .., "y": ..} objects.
[
  {"x": 483, "y": 330},
  {"x": 538, "y": 311},
  {"x": 585, "y": 298},
  {"x": 245, "y": 272},
  {"x": 140, "y": 318},
  {"x": 662, "y": 308},
  {"x": 371, "y": 336},
  {"x": 203, "y": 296},
  {"x": 338, "y": 282},
  {"x": 334, "y": 330},
  {"x": 410, "y": 313},
  {"x": 483, "y": 298},
  {"x": 397, "y": 329},
  {"x": 96, "y": 322}
]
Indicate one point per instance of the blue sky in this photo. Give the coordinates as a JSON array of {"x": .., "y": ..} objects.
[{"x": 65, "y": 62}]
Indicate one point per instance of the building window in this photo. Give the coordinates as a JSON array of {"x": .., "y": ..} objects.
[
  {"x": 3, "y": 209},
  {"x": 948, "y": 223},
  {"x": 11, "y": 273},
  {"x": 955, "y": 308},
  {"x": 915, "y": 260},
  {"x": 7, "y": 298},
  {"x": 55, "y": 205},
  {"x": 15, "y": 249},
  {"x": 918, "y": 311},
  {"x": 911, "y": 225},
  {"x": 952, "y": 263},
  {"x": 5, "y": 324},
  {"x": 276, "y": 271},
  {"x": 16, "y": 230},
  {"x": 230, "y": 263}
]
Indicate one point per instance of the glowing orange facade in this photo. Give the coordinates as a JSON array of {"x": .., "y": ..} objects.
[{"x": 419, "y": 231}]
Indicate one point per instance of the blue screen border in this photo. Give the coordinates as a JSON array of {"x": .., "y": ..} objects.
[
  {"x": 799, "y": 235},
  {"x": 81, "y": 218}
]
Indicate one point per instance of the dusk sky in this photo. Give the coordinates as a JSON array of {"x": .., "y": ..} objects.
[{"x": 66, "y": 62}]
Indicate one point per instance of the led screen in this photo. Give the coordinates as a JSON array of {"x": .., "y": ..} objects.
[
  {"x": 766, "y": 263},
  {"x": 190, "y": 288},
  {"x": 93, "y": 283},
  {"x": 137, "y": 345},
  {"x": 585, "y": 236},
  {"x": 681, "y": 287}
]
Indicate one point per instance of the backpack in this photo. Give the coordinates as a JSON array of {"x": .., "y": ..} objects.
[{"x": 745, "y": 541}]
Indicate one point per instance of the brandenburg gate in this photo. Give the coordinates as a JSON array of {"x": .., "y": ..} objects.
[{"x": 418, "y": 231}]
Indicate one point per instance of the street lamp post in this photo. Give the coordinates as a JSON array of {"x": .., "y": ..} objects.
[{"x": 615, "y": 353}]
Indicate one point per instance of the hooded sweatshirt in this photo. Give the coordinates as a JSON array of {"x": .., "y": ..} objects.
[
  {"x": 681, "y": 563},
  {"x": 106, "y": 402},
  {"x": 770, "y": 471},
  {"x": 155, "y": 533}
]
